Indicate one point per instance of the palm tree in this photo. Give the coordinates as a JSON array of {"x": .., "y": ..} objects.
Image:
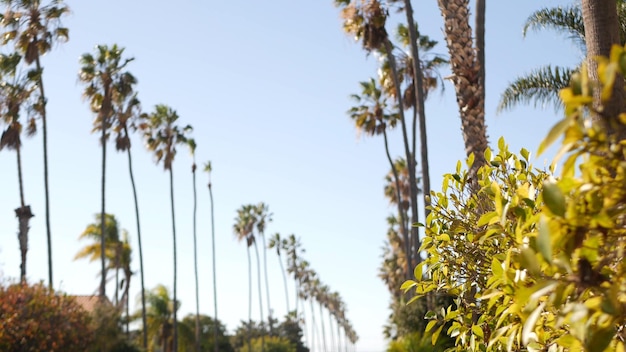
[
  {"x": 468, "y": 73},
  {"x": 192, "y": 145},
  {"x": 162, "y": 135},
  {"x": 244, "y": 225},
  {"x": 15, "y": 90},
  {"x": 280, "y": 243},
  {"x": 208, "y": 169},
  {"x": 160, "y": 311},
  {"x": 104, "y": 78},
  {"x": 124, "y": 259},
  {"x": 263, "y": 216},
  {"x": 372, "y": 116},
  {"x": 321, "y": 292},
  {"x": 35, "y": 28},
  {"x": 114, "y": 247},
  {"x": 127, "y": 117}
]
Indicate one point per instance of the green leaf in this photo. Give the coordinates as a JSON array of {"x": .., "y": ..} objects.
[
  {"x": 431, "y": 324},
  {"x": 552, "y": 136},
  {"x": 485, "y": 218},
  {"x": 529, "y": 261},
  {"x": 436, "y": 334},
  {"x": 553, "y": 198},
  {"x": 528, "y": 332},
  {"x": 600, "y": 339},
  {"x": 543, "y": 240},
  {"x": 407, "y": 285},
  {"x": 525, "y": 154},
  {"x": 496, "y": 267},
  {"x": 477, "y": 331}
]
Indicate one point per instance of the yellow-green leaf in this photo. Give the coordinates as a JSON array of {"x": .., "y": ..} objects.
[
  {"x": 553, "y": 135},
  {"x": 553, "y": 198},
  {"x": 543, "y": 240}
]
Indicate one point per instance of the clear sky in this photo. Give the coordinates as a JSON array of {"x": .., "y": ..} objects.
[{"x": 266, "y": 86}]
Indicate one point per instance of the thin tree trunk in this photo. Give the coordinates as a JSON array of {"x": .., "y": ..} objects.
[
  {"x": 323, "y": 328},
  {"x": 282, "y": 269},
  {"x": 338, "y": 335},
  {"x": 195, "y": 257},
  {"x": 249, "y": 298},
  {"x": 258, "y": 267},
  {"x": 601, "y": 33},
  {"x": 304, "y": 325},
  {"x": 420, "y": 106},
  {"x": 480, "y": 43},
  {"x": 144, "y": 319},
  {"x": 267, "y": 286},
  {"x": 313, "y": 325},
  {"x": 401, "y": 212},
  {"x": 175, "y": 262},
  {"x": 216, "y": 329},
  {"x": 409, "y": 155},
  {"x": 117, "y": 276},
  {"x": 23, "y": 214},
  {"x": 44, "y": 124},
  {"x": 330, "y": 329},
  {"x": 104, "y": 113}
]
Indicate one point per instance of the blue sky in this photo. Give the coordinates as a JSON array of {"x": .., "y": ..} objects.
[{"x": 266, "y": 87}]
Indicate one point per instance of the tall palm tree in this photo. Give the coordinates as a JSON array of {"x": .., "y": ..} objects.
[
  {"x": 192, "y": 146},
  {"x": 321, "y": 292},
  {"x": 163, "y": 135},
  {"x": 372, "y": 116},
  {"x": 125, "y": 255},
  {"x": 104, "y": 78},
  {"x": 244, "y": 225},
  {"x": 15, "y": 90},
  {"x": 257, "y": 221},
  {"x": 208, "y": 169},
  {"x": 35, "y": 28},
  {"x": 127, "y": 117},
  {"x": 263, "y": 216},
  {"x": 280, "y": 243}
]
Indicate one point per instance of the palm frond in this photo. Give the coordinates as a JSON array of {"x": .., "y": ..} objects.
[
  {"x": 540, "y": 86},
  {"x": 568, "y": 20}
]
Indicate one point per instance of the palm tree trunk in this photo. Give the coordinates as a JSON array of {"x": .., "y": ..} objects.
[
  {"x": 144, "y": 319},
  {"x": 338, "y": 335},
  {"x": 44, "y": 124},
  {"x": 330, "y": 329},
  {"x": 409, "y": 156},
  {"x": 23, "y": 214},
  {"x": 467, "y": 78},
  {"x": 313, "y": 325},
  {"x": 195, "y": 258},
  {"x": 401, "y": 212},
  {"x": 282, "y": 269},
  {"x": 323, "y": 328},
  {"x": 601, "y": 33},
  {"x": 420, "y": 107},
  {"x": 175, "y": 262},
  {"x": 216, "y": 329},
  {"x": 258, "y": 267},
  {"x": 103, "y": 116},
  {"x": 249, "y": 298},
  {"x": 304, "y": 325},
  {"x": 267, "y": 285}
]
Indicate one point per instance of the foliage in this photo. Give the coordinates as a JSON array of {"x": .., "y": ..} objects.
[
  {"x": 417, "y": 342},
  {"x": 272, "y": 344},
  {"x": 34, "y": 318},
  {"x": 207, "y": 325},
  {"x": 536, "y": 262},
  {"x": 107, "y": 324},
  {"x": 287, "y": 330}
]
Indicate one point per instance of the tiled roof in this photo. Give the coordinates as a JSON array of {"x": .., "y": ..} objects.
[{"x": 87, "y": 302}]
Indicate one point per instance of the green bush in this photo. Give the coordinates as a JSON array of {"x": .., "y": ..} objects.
[
  {"x": 536, "y": 262},
  {"x": 272, "y": 344}
]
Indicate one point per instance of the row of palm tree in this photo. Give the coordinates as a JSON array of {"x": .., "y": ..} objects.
[
  {"x": 110, "y": 91},
  {"x": 309, "y": 287}
]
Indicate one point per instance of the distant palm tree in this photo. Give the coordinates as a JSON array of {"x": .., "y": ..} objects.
[
  {"x": 263, "y": 216},
  {"x": 280, "y": 243},
  {"x": 160, "y": 312},
  {"x": 104, "y": 78},
  {"x": 114, "y": 246},
  {"x": 35, "y": 28},
  {"x": 244, "y": 225},
  {"x": 15, "y": 90},
  {"x": 162, "y": 135},
  {"x": 208, "y": 169},
  {"x": 192, "y": 146}
]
